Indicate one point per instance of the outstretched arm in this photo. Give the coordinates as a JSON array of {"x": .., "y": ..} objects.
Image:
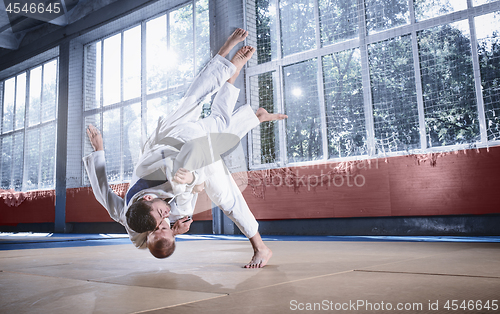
[{"x": 95, "y": 165}]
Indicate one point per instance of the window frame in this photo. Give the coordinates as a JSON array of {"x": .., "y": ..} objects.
[
  {"x": 27, "y": 127},
  {"x": 145, "y": 95},
  {"x": 362, "y": 42}
]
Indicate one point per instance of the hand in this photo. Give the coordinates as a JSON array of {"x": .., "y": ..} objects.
[
  {"x": 182, "y": 225},
  {"x": 183, "y": 176},
  {"x": 95, "y": 138}
]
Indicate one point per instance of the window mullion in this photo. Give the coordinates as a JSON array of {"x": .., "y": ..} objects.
[
  {"x": 365, "y": 73},
  {"x": 322, "y": 108},
  {"x": 194, "y": 37},
  {"x": 321, "y": 92},
  {"x": 280, "y": 97},
  {"x": 168, "y": 31},
  {"x": 122, "y": 130},
  {"x": 121, "y": 67},
  {"x": 143, "y": 84},
  {"x": 13, "y": 134},
  {"x": 477, "y": 77},
  {"x": 101, "y": 88},
  {"x": 122, "y": 144},
  {"x": 25, "y": 136},
  {"x": 281, "y": 107},
  {"x": 418, "y": 79},
  {"x": 40, "y": 131},
  {"x": 2, "y": 97},
  {"x": 278, "y": 30},
  {"x": 2, "y": 93}
]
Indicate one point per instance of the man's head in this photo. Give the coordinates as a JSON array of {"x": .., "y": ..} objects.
[
  {"x": 161, "y": 244},
  {"x": 140, "y": 218},
  {"x": 148, "y": 215}
]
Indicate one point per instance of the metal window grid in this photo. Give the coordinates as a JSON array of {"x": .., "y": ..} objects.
[{"x": 362, "y": 41}]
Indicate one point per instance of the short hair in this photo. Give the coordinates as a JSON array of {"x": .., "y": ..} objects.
[
  {"x": 162, "y": 247},
  {"x": 139, "y": 217}
]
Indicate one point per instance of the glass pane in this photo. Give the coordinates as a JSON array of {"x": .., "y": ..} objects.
[
  {"x": 181, "y": 52},
  {"x": 303, "y": 126},
  {"x": 132, "y": 63},
  {"x": 338, "y": 20},
  {"x": 479, "y": 2},
  {"x": 111, "y": 135},
  {"x": 48, "y": 155},
  {"x": 426, "y": 9},
  {"x": 448, "y": 85},
  {"x": 157, "y": 58},
  {"x": 93, "y": 76},
  {"x": 202, "y": 34},
  {"x": 18, "y": 161},
  {"x": 297, "y": 26},
  {"x": 265, "y": 146},
  {"x": 6, "y": 162},
  {"x": 34, "y": 94},
  {"x": 20, "y": 101},
  {"x": 488, "y": 41},
  {"x": 49, "y": 95},
  {"x": 382, "y": 15},
  {"x": 395, "y": 110},
  {"x": 161, "y": 107},
  {"x": 8, "y": 104},
  {"x": 131, "y": 138},
  {"x": 111, "y": 79},
  {"x": 32, "y": 151},
  {"x": 345, "y": 118},
  {"x": 265, "y": 30}
]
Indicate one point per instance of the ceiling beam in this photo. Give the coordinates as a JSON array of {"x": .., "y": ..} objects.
[{"x": 9, "y": 41}]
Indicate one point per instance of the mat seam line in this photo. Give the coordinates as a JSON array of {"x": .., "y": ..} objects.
[{"x": 426, "y": 274}]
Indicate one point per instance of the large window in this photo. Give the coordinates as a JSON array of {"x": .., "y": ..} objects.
[
  {"x": 28, "y": 134},
  {"x": 373, "y": 78},
  {"x": 137, "y": 75}
]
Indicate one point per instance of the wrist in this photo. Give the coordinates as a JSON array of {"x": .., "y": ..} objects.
[{"x": 194, "y": 179}]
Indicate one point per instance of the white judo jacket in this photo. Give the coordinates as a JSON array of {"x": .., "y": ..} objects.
[{"x": 157, "y": 162}]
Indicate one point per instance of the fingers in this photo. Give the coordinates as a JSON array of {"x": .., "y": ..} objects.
[
  {"x": 92, "y": 131},
  {"x": 183, "y": 176},
  {"x": 95, "y": 138},
  {"x": 182, "y": 225}
]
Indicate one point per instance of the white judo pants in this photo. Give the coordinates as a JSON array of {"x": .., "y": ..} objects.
[{"x": 219, "y": 184}]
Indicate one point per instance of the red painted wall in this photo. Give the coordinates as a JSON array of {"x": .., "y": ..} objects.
[
  {"x": 28, "y": 207},
  {"x": 463, "y": 182}
]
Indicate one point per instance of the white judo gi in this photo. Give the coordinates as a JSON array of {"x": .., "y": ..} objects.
[{"x": 158, "y": 156}]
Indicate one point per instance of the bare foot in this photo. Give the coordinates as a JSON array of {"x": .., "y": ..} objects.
[
  {"x": 263, "y": 115},
  {"x": 236, "y": 37},
  {"x": 260, "y": 258},
  {"x": 241, "y": 57}
]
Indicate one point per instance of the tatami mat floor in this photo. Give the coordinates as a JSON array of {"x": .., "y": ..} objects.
[{"x": 105, "y": 274}]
